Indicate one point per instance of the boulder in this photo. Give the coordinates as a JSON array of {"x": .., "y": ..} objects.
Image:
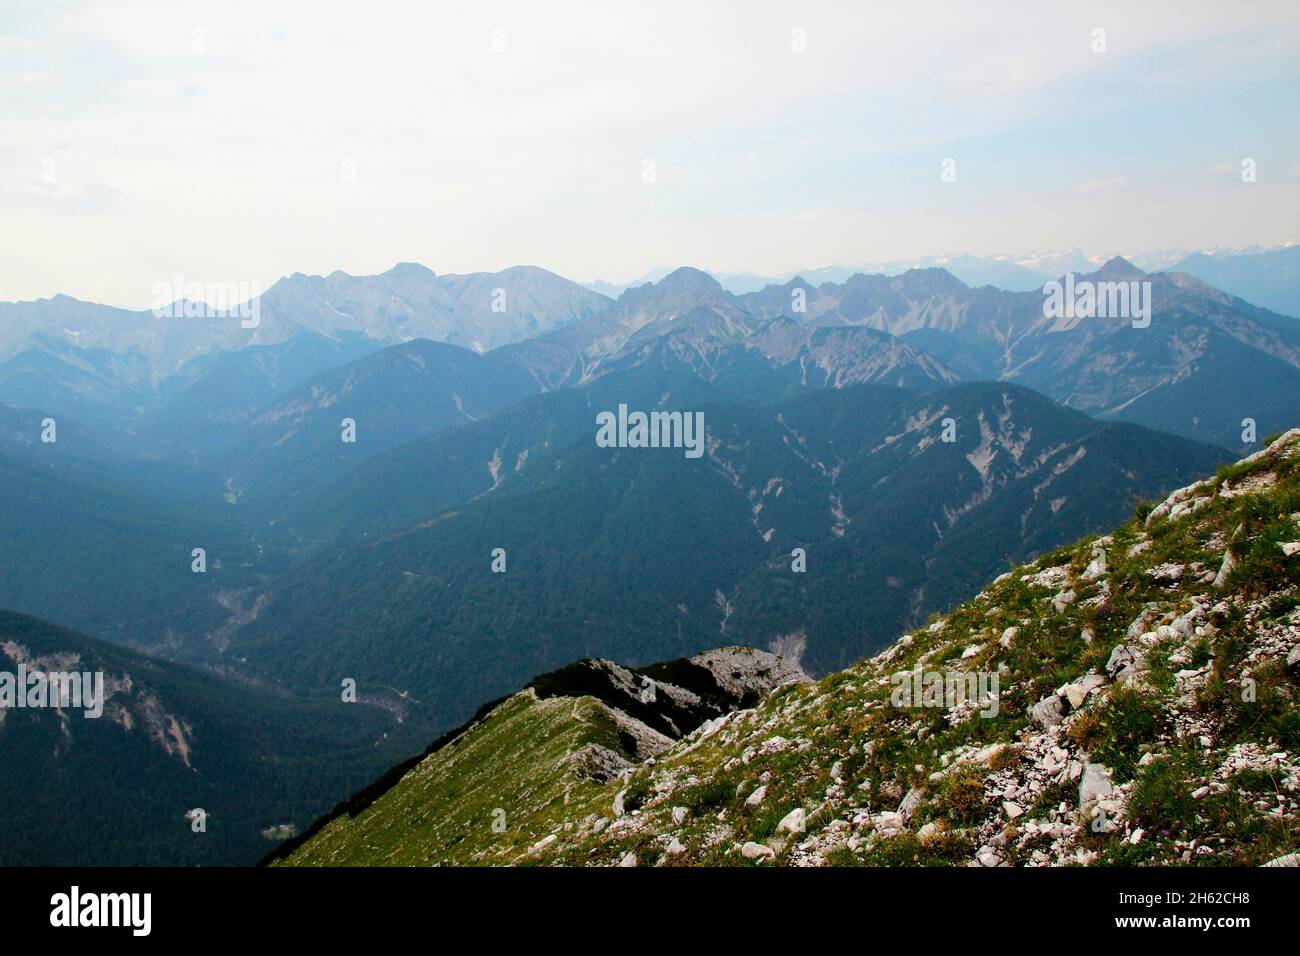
[
  {"x": 1139, "y": 624},
  {"x": 1048, "y": 712},
  {"x": 1125, "y": 661},
  {"x": 1094, "y": 783},
  {"x": 1097, "y": 566},
  {"x": 543, "y": 843},
  {"x": 910, "y": 803},
  {"x": 792, "y": 822},
  {"x": 887, "y": 823},
  {"x": 1224, "y": 569},
  {"x": 1168, "y": 573},
  {"x": 929, "y": 834}
]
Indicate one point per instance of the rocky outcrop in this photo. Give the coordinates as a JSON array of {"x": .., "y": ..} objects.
[{"x": 659, "y": 704}]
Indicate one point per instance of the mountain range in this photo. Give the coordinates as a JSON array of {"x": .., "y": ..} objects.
[
  {"x": 114, "y": 366},
  {"x": 192, "y": 392},
  {"x": 1267, "y": 277},
  {"x": 393, "y": 480}
]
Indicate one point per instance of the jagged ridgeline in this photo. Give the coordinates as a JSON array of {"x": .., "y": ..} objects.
[
  {"x": 1145, "y": 713},
  {"x": 591, "y": 721}
]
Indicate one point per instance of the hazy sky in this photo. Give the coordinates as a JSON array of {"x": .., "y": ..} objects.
[{"x": 233, "y": 141}]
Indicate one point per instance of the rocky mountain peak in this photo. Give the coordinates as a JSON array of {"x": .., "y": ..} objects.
[
  {"x": 689, "y": 280},
  {"x": 411, "y": 270},
  {"x": 1116, "y": 269},
  {"x": 932, "y": 278}
]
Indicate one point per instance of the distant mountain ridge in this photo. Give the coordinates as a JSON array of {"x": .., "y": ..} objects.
[
  {"x": 149, "y": 381},
  {"x": 689, "y": 314},
  {"x": 1269, "y": 278},
  {"x": 478, "y": 310},
  {"x": 1245, "y": 272},
  {"x": 110, "y": 366},
  {"x": 1206, "y": 361}
]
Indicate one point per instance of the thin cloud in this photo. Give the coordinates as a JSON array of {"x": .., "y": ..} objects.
[
  {"x": 1103, "y": 184},
  {"x": 472, "y": 154}
]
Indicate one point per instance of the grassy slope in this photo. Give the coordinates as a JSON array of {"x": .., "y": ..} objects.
[{"x": 443, "y": 810}]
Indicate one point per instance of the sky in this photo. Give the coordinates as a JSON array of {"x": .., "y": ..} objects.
[{"x": 241, "y": 141}]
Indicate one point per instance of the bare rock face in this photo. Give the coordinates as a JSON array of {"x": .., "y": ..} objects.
[
  {"x": 657, "y": 705},
  {"x": 741, "y": 671},
  {"x": 599, "y": 763}
]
